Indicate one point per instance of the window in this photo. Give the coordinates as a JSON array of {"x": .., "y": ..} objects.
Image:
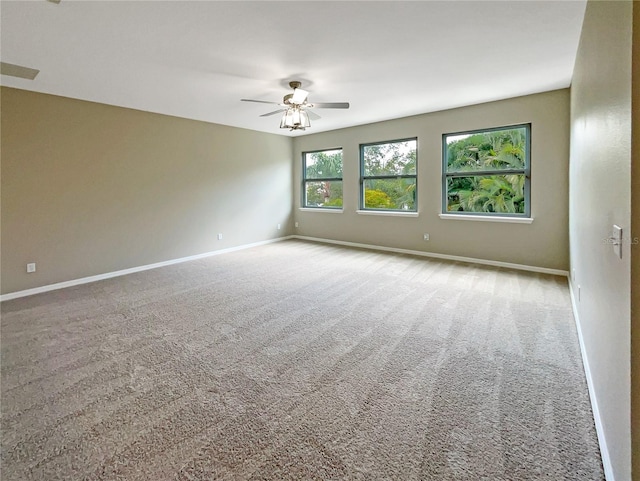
[
  {"x": 388, "y": 175},
  {"x": 322, "y": 179},
  {"x": 487, "y": 172}
]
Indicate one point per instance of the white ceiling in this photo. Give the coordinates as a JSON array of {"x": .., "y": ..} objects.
[{"x": 197, "y": 59}]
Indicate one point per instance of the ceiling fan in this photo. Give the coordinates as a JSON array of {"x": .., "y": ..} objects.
[{"x": 296, "y": 108}]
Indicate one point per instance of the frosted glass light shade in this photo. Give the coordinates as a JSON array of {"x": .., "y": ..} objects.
[{"x": 295, "y": 119}]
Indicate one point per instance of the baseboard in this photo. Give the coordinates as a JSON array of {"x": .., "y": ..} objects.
[
  {"x": 604, "y": 450},
  {"x": 124, "y": 272},
  {"x": 521, "y": 267},
  {"x": 108, "y": 275}
]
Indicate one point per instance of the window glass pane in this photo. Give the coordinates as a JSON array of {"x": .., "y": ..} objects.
[
  {"x": 395, "y": 158},
  {"x": 493, "y": 150},
  {"x": 323, "y": 165},
  {"x": 323, "y": 193},
  {"x": 392, "y": 194},
  {"x": 487, "y": 194}
]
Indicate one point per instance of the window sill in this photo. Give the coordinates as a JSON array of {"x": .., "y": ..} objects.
[
  {"x": 321, "y": 209},
  {"x": 486, "y": 218},
  {"x": 395, "y": 213}
]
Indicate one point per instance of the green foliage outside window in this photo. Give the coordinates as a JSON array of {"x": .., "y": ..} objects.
[
  {"x": 377, "y": 199},
  {"x": 389, "y": 175},
  {"x": 323, "y": 179},
  {"x": 496, "y": 164}
]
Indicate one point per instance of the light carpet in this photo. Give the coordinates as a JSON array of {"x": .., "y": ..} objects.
[{"x": 297, "y": 360}]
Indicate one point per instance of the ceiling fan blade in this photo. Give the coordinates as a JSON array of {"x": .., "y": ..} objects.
[
  {"x": 260, "y": 101},
  {"x": 18, "y": 71},
  {"x": 312, "y": 115},
  {"x": 330, "y": 105},
  {"x": 273, "y": 113},
  {"x": 299, "y": 96}
]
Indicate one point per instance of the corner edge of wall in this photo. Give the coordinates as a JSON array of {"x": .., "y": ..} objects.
[{"x": 602, "y": 441}]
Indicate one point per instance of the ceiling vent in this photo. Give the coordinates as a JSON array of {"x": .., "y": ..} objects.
[{"x": 18, "y": 71}]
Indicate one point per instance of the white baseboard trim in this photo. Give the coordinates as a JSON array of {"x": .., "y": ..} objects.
[
  {"x": 108, "y": 275},
  {"x": 124, "y": 272},
  {"x": 543, "y": 270},
  {"x": 604, "y": 450}
]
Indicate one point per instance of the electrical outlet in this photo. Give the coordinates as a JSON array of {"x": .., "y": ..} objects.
[
  {"x": 278, "y": 226},
  {"x": 219, "y": 236},
  {"x": 31, "y": 267},
  {"x": 426, "y": 237},
  {"x": 297, "y": 225}
]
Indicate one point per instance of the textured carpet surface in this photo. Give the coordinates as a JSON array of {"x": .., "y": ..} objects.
[{"x": 297, "y": 360}]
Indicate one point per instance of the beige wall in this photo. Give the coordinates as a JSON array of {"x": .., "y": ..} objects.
[
  {"x": 544, "y": 243},
  {"x": 600, "y": 196},
  {"x": 89, "y": 188}
]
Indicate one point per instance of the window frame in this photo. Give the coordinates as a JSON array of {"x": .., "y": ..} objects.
[
  {"x": 319, "y": 179},
  {"x": 526, "y": 171},
  {"x": 364, "y": 178}
]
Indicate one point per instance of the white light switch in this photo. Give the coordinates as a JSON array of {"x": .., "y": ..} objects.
[
  {"x": 616, "y": 240},
  {"x": 31, "y": 267}
]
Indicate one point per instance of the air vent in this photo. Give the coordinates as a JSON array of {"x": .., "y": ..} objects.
[{"x": 18, "y": 71}]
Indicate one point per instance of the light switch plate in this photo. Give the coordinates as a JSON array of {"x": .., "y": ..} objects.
[{"x": 616, "y": 240}]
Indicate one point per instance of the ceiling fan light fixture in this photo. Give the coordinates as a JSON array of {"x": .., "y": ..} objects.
[
  {"x": 299, "y": 96},
  {"x": 295, "y": 118},
  {"x": 287, "y": 100}
]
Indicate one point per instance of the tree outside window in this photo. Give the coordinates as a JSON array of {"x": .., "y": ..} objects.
[
  {"x": 322, "y": 179},
  {"x": 487, "y": 172},
  {"x": 388, "y": 175}
]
